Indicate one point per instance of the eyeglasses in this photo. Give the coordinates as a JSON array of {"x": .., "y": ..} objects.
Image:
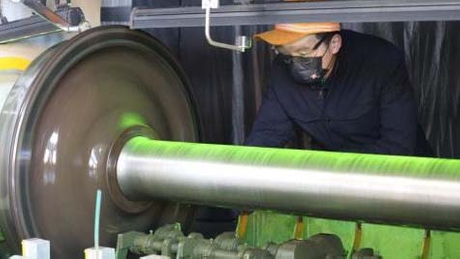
[{"x": 288, "y": 59}]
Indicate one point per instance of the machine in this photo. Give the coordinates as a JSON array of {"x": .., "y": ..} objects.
[{"x": 111, "y": 109}]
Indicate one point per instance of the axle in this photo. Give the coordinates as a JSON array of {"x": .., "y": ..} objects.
[{"x": 422, "y": 192}]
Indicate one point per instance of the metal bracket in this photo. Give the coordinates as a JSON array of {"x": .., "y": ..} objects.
[
  {"x": 213, "y": 4},
  {"x": 53, "y": 18},
  {"x": 125, "y": 242},
  {"x": 36, "y": 26},
  {"x": 242, "y": 42}
]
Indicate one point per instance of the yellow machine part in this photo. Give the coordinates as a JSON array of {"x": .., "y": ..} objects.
[{"x": 13, "y": 63}]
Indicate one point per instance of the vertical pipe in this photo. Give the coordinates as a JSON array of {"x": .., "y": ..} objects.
[{"x": 238, "y": 95}]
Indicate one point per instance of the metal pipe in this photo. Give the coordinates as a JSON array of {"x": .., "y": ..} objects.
[
  {"x": 396, "y": 190},
  {"x": 242, "y": 46},
  {"x": 54, "y": 18}
]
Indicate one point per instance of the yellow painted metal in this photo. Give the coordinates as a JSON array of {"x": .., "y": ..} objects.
[
  {"x": 15, "y": 63},
  {"x": 242, "y": 224},
  {"x": 298, "y": 229},
  {"x": 426, "y": 245},
  {"x": 357, "y": 239}
]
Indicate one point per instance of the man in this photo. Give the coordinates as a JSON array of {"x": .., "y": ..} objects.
[{"x": 349, "y": 91}]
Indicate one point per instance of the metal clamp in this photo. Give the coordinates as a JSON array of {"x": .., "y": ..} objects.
[
  {"x": 242, "y": 42},
  {"x": 52, "y": 17}
]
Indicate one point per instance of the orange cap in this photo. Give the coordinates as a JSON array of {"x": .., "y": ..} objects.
[{"x": 290, "y": 32}]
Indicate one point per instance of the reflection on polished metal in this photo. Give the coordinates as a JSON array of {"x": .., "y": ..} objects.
[
  {"x": 61, "y": 120},
  {"x": 372, "y": 188}
]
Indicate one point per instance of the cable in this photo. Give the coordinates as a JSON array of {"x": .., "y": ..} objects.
[{"x": 97, "y": 218}]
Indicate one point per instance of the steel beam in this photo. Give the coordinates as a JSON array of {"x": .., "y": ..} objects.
[
  {"x": 270, "y": 13},
  {"x": 36, "y": 25},
  {"x": 25, "y": 28}
]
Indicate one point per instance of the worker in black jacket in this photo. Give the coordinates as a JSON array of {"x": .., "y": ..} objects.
[{"x": 349, "y": 91}]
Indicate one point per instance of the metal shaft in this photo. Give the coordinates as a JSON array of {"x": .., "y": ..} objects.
[{"x": 397, "y": 190}]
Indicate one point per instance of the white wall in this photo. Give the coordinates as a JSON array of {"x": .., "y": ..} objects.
[
  {"x": 91, "y": 9},
  {"x": 14, "y": 11}
]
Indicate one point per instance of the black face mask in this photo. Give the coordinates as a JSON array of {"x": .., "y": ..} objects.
[{"x": 308, "y": 71}]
